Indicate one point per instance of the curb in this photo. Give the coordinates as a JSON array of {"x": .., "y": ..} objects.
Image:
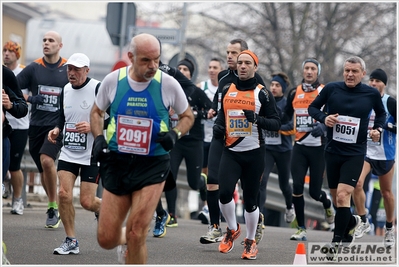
[{"x": 36, "y": 200}]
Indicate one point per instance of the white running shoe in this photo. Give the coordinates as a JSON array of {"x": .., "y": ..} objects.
[
  {"x": 299, "y": 235},
  {"x": 389, "y": 239},
  {"x": 362, "y": 229},
  {"x": 69, "y": 246},
  {"x": 213, "y": 235},
  {"x": 289, "y": 215},
  {"x": 18, "y": 207},
  {"x": 204, "y": 215},
  {"x": 121, "y": 252}
]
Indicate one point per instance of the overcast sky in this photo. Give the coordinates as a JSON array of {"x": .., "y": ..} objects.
[
  {"x": 95, "y": 10},
  {"x": 81, "y": 10}
]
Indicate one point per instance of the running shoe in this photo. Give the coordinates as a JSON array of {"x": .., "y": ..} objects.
[
  {"x": 53, "y": 219},
  {"x": 331, "y": 251},
  {"x": 330, "y": 213},
  {"x": 227, "y": 243},
  {"x": 69, "y": 246},
  {"x": 5, "y": 261},
  {"x": 289, "y": 215},
  {"x": 259, "y": 228},
  {"x": 299, "y": 235},
  {"x": 349, "y": 238},
  {"x": 160, "y": 225},
  {"x": 250, "y": 249},
  {"x": 121, "y": 252},
  {"x": 213, "y": 235},
  {"x": 203, "y": 190},
  {"x": 362, "y": 229},
  {"x": 7, "y": 188},
  {"x": 18, "y": 207},
  {"x": 204, "y": 215},
  {"x": 389, "y": 239},
  {"x": 173, "y": 221}
]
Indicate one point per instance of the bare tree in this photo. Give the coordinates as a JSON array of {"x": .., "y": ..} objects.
[{"x": 284, "y": 34}]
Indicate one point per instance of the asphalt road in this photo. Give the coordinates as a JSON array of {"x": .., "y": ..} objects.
[{"x": 29, "y": 243}]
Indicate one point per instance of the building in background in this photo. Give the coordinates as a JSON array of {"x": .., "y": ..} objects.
[
  {"x": 78, "y": 36},
  {"x": 14, "y": 19}
]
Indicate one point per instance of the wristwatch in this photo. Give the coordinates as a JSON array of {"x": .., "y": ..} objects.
[{"x": 177, "y": 132}]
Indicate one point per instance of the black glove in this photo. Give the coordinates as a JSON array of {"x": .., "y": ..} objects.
[
  {"x": 218, "y": 131},
  {"x": 167, "y": 139},
  {"x": 318, "y": 130},
  {"x": 167, "y": 69},
  {"x": 36, "y": 99},
  {"x": 251, "y": 116},
  {"x": 99, "y": 148}
]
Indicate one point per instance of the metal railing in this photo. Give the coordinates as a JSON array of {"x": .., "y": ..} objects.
[{"x": 313, "y": 209}]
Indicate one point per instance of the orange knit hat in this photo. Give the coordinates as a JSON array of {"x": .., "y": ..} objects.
[
  {"x": 252, "y": 54},
  {"x": 14, "y": 47}
]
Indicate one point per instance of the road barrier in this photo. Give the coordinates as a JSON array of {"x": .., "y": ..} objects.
[{"x": 275, "y": 199}]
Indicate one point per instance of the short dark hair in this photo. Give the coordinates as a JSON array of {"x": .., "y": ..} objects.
[
  {"x": 221, "y": 61},
  {"x": 244, "y": 45}
]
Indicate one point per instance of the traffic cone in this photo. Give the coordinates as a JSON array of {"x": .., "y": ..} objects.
[{"x": 300, "y": 255}]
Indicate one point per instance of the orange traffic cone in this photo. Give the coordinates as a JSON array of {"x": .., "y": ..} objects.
[{"x": 300, "y": 255}]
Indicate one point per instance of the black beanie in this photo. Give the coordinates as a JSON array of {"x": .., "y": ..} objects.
[
  {"x": 188, "y": 63},
  {"x": 379, "y": 74}
]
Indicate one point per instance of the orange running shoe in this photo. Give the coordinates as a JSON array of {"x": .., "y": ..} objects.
[
  {"x": 250, "y": 249},
  {"x": 227, "y": 243}
]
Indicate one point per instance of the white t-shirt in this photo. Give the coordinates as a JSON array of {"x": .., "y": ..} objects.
[
  {"x": 210, "y": 91},
  {"x": 172, "y": 93}
]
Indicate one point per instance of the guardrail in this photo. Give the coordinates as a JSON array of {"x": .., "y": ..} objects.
[{"x": 313, "y": 209}]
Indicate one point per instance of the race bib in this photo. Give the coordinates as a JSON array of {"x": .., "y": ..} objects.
[
  {"x": 74, "y": 140},
  {"x": 272, "y": 138},
  {"x": 51, "y": 100},
  {"x": 304, "y": 122},
  {"x": 346, "y": 129},
  {"x": 238, "y": 125},
  {"x": 134, "y": 134}
]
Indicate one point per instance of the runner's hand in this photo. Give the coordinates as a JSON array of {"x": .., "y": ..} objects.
[
  {"x": 167, "y": 139},
  {"x": 218, "y": 131},
  {"x": 250, "y": 115},
  {"x": 318, "y": 130},
  {"x": 36, "y": 99},
  {"x": 99, "y": 148}
]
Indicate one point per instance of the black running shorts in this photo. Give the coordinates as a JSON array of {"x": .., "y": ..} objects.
[
  {"x": 122, "y": 174},
  {"x": 39, "y": 144},
  {"x": 87, "y": 173},
  {"x": 380, "y": 167}
]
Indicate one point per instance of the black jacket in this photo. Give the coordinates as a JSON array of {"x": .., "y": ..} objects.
[{"x": 20, "y": 107}]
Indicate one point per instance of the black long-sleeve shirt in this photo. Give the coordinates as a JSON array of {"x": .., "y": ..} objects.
[
  {"x": 46, "y": 79},
  {"x": 12, "y": 89},
  {"x": 19, "y": 107},
  {"x": 355, "y": 102},
  {"x": 197, "y": 99}
]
